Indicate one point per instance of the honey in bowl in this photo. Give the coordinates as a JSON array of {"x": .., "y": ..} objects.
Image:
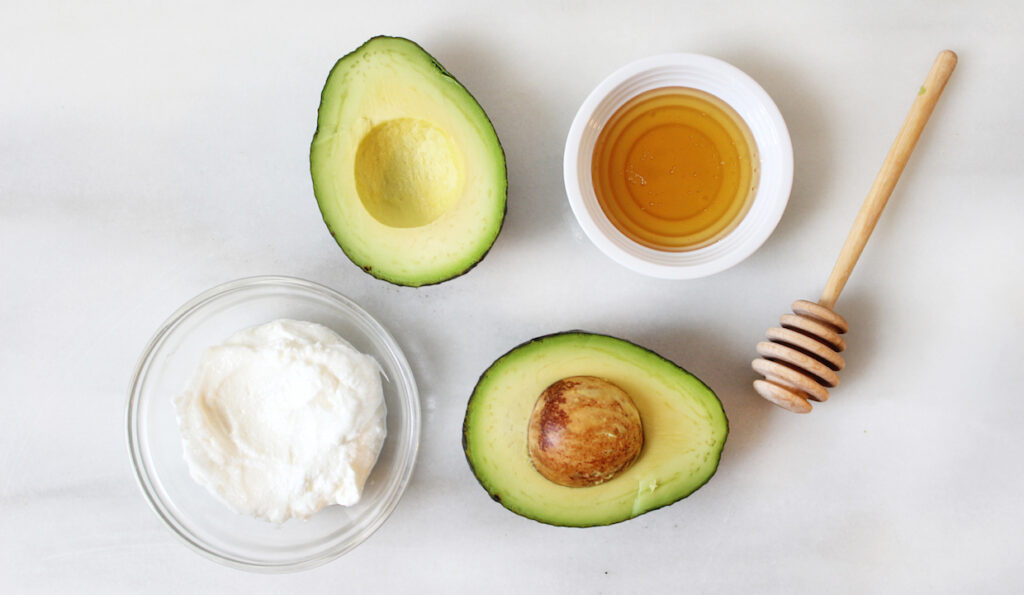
[{"x": 675, "y": 169}]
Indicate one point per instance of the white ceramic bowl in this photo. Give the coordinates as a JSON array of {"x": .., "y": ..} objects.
[
  {"x": 188, "y": 509},
  {"x": 729, "y": 84}
]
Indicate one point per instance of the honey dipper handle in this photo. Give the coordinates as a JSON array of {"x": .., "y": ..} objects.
[{"x": 887, "y": 177}]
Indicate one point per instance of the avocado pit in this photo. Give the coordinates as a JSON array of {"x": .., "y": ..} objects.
[{"x": 584, "y": 431}]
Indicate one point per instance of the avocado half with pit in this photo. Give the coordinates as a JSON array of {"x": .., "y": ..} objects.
[
  {"x": 407, "y": 169},
  {"x": 684, "y": 430}
]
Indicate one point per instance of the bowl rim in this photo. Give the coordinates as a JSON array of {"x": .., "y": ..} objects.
[
  {"x": 649, "y": 261},
  {"x": 407, "y": 385}
]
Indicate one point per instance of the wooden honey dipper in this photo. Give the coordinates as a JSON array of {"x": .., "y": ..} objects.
[{"x": 800, "y": 361}]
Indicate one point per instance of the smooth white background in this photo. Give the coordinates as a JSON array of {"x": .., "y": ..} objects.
[{"x": 149, "y": 151}]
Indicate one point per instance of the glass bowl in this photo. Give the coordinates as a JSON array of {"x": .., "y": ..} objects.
[
  {"x": 732, "y": 86},
  {"x": 194, "y": 514}
]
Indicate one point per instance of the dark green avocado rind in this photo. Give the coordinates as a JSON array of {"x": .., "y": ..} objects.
[
  {"x": 493, "y": 493},
  {"x": 368, "y": 267}
]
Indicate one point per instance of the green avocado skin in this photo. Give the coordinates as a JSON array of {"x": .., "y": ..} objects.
[
  {"x": 494, "y": 489},
  {"x": 320, "y": 187}
]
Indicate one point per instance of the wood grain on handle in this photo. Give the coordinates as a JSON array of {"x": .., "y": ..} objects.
[{"x": 887, "y": 177}]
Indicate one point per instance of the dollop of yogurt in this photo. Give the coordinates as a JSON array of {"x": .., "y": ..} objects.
[{"x": 282, "y": 420}]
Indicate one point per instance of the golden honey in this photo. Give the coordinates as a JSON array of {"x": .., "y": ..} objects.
[{"x": 675, "y": 169}]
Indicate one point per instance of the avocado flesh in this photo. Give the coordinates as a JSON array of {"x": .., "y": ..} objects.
[
  {"x": 407, "y": 169},
  {"x": 684, "y": 430}
]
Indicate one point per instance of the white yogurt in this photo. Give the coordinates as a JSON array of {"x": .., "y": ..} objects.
[{"x": 283, "y": 419}]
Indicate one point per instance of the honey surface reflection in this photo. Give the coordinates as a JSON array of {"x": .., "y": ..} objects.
[{"x": 675, "y": 169}]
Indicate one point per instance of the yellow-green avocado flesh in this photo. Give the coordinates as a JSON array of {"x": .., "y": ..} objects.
[
  {"x": 684, "y": 430},
  {"x": 407, "y": 169}
]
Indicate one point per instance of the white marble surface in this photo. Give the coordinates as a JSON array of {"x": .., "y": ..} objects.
[{"x": 149, "y": 151}]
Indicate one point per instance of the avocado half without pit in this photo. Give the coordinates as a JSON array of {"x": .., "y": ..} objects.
[
  {"x": 407, "y": 169},
  {"x": 580, "y": 429}
]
